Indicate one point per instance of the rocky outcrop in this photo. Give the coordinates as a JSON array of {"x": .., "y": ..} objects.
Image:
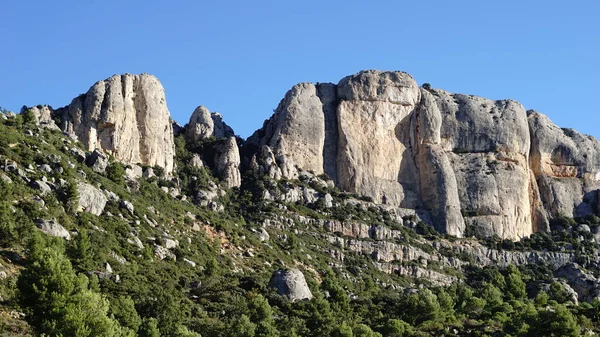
[
  {"x": 566, "y": 165},
  {"x": 43, "y": 116},
  {"x": 469, "y": 164},
  {"x": 227, "y": 162},
  {"x": 585, "y": 284},
  {"x": 204, "y": 124},
  {"x": 125, "y": 116},
  {"x": 291, "y": 284},
  {"x": 200, "y": 125}
]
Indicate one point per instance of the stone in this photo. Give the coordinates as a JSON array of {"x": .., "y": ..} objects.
[
  {"x": 328, "y": 200},
  {"x": 78, "y": 153},
  {"x": 190, "y": 262},
  {"x": 134, "y": 240},
  {"x": 125, "y": 116},
  {"x": 263, "y": 235},
  {"x": 162, "y": 253},
  {"x": 41, "y": 186},
  {"x": 128, "y": 206},
  {"x": 91, "y": 199},
  {"x": 291, "y": 284},
  {"x": 134, "y": 172},
  {"x": 227, "y": 162},
  {"x": 149, "y": 173},
  {"x": 97, "y": 161},
  {"x": 53, "y": 228},
  {"x": 170, "y": 243},
  {"x": 196, "y": 161}
]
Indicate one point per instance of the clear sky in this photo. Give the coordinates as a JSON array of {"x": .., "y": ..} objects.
[{"x": 240, "y": 57}]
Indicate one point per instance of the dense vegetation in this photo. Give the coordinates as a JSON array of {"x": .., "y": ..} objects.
[{"x": 215, "y": 284}]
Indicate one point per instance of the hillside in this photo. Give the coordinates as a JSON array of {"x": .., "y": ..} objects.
[{"x": 371, "y": 207}]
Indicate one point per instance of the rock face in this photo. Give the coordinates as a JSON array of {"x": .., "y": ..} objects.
[
  {"x": 475, "y": 166},
  {"x": 227, "y": 162},
  {"x": 126, "y": 116},
  {"x": 290, "y": 283},
  {"x": 567, "y": 168},
  {"x": 43, "y": 116}
]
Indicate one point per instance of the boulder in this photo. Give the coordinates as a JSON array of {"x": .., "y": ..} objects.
[
  {"x": 291, "y": 284},
  {"x": 125, "y": 116},
  {"x": 53, "y": 228},
  {"x": 97, "y": 161},
  {"x": 91, "y": 199},
  {"x": 128, "y": 206},
  {"x": 41, "y": 186}
]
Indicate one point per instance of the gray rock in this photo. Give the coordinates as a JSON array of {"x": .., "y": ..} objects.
[
  {"x": 162, "y": 253},
  {"x": 328, "y": 199},
  {"x": 290, "y": 283},
  {"x": 97, "y": 161},
  {"x": 585, "y": 284},
  {"x": 41, "y": 186},
  {"x": 126, "y": 116},
  {"x": 197, "y": 161},
  {"x": 128, "y": 206},
  {"x": 134, "y": 240},
  {"x": 221, "y": 130},
  {"x": 170, "y": 243},
  {"x": 78, "y": 153},
  {"x": 263, "y": 235},
  {"x": 91, "y": 199},
  {"x": 53, "y": 228},
  {"x": 134, "y": 172},
  {"x": 45, "y": 168}
]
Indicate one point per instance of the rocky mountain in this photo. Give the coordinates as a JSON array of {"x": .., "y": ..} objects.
[
  {"x": 372, "y": 207},
  {"x": 125, "y": 116},
  {"x": 466, "y": 163}
]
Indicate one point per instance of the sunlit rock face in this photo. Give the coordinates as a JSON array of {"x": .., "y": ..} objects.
[{"x": 126, "y": 116}]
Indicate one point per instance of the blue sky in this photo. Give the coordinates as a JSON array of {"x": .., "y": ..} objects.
[{"x": 240, "y": 57}]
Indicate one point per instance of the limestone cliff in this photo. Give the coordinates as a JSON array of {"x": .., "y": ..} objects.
[
  {"x": 472, "y": 164},
  {"x": 126, "y": 116}
]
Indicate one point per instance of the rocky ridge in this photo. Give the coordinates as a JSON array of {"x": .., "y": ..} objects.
[
  {"x": 466, "y": 164},
  {"x": 475, "y": 165}
]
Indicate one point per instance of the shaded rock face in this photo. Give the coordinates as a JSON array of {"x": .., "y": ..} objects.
[
  {"x": 290, "y": 283},
  {"x": 475, "y": 165},
  {"x": 126, "y": 116}
]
